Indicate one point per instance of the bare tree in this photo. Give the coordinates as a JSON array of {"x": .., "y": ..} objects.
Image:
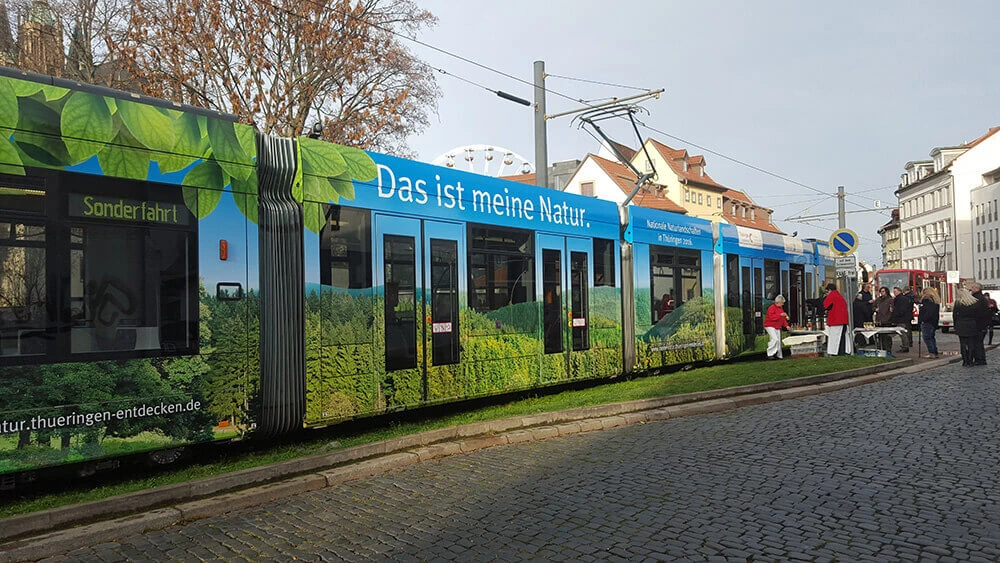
[{"x": 285, "y": 64}]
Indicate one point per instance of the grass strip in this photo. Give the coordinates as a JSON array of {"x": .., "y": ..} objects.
[{"x": 700, "y": 379}]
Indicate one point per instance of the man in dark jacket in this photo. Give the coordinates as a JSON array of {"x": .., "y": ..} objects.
[{"x": 902, "y": 315}]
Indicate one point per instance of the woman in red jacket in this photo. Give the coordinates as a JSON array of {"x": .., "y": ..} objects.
[
  {"x": 775, "y": 320},
  {"x": 837, "y": 339}
]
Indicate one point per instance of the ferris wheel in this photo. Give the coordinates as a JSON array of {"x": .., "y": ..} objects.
[{"x": 486, "y": 160}]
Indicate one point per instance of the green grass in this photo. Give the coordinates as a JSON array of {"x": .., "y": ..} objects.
[{"x": 701, "y": 379}]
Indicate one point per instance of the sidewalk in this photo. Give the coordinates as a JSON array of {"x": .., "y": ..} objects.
[{"x": 59, "y": 530}]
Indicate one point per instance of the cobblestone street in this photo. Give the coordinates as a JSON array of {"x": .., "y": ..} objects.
[{"x": 903, "y": 469}]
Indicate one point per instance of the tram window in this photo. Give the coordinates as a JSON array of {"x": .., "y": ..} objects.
[
  {"x": 552, "y": 308},
  {"x": 22, "y": 194},
  {"x": 345, "y": 248},
  {"x": 501, "y": 267},
  {"x": 580, "y": 300},
  {"x": 664, "y": 300},
  {"x": 400, "y": 303},
  {"x": 732, "y": 281},
  {"x": 24, "y": 311},
  {"x": 675, "y": 277},
  {"x": 444, "y": 302},
  {"x": 771, "y": 270},
  {"x": 132, "y": 288},
  {"x": 604, "y": 262},
  {"x": 128, "y": 252},
  {"x": 690, "y": 266}
]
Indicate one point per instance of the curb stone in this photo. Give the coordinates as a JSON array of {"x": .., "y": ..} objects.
[{"x": 47, "y": 533}]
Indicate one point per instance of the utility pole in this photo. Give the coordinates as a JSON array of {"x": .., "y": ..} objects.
[
  {"x": 841, "y": 220},
  {"x": 541, "y": 142}
]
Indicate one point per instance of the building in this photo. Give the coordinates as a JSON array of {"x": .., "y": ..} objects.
[
  {"x": 681, "y": 185},
  {"x": 936, "y": 220},
  {"x": 971, "y": 170},
  {"x": 986, "y": 230},
  {"x": 891, "y": 257},
  {"x": 40, "y": 39},
  {"x": 611, "y": 180}
]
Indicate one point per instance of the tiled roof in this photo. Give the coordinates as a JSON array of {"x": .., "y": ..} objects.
[
  {"x": 522, "y": 178},
  {"x": 646, "y": 198},
  {"x": 673, "y": 155},
  {"x": 738, "y": 195},
  {"x": 984, "y": 137},
  {"x": 625, "y": 180},
  {"x": 627, "y": 152},
  {"x": 759, "y": 223}
]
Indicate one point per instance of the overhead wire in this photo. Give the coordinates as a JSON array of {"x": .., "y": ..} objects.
[
  {"x": 477, "y": 64},
  {"x": 550, "y": 75}
]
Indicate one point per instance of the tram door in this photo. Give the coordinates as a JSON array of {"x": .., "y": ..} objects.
[
  {"x": 752, "y": 294},
  {"x": 444, "y": 276},
  {"x": 796, "y": 294},
  {"x": 418, "y": 268},
  {"x": 564, "y": 279}
]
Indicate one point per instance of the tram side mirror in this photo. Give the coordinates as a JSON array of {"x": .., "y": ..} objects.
[{"x": 229, "y": 291}]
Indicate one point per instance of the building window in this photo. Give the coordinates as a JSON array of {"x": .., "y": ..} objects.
[
  {"x": 708, "y": 200},
  {"x": 720, "y": 202},
  {"x": 700, "y": 199},
  {"x": 687, "y": 195},
  {"x": 753, "y": 215},
  {"x": 587, "y": 189}
]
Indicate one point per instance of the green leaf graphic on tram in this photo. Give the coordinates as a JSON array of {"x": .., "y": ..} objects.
[
  {"x": 321, "y": 159},
  {"x": 8, "y": 104},
  {"x": 38, "y": 136},
  {"x": 117, "y": 159},
  {"x": 10, "y": 159},
  {"x": 343, "y": 186},
  {"x": 248, "y": 140},
  {"x": 360, "y": 166},
  {"x": 24, "y": 88},
  {"x": 317, "y": 189},
  {"x": 87, "y": 125},
  {"x": 148, "y": 125},
  {"x": 227, "y": 150},
  {"x": 245, "y": 196},
  {"x": 203, "y": 188},
  {"x": 312, "y": 216},
  {"x": 53, "y": 93}
]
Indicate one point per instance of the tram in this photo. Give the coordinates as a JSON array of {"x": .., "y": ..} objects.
[{"x": 172, "y": 277}]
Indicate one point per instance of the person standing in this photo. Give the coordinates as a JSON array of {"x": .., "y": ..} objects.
[
  {"x": 775, "y": 320},
  {"x": 883, "y": 316},
  {"x": 862, "y": 309},
  {"x": 866, "y": 293},
  {"x": 964, "y": 315},
  {"x": 982, "y": 323},
  {"x": 838, "y": 342},
  {"x": 902, "y": 315},
  {"x": 992, "y": 306},
  {"x": 929, "y": 313}
]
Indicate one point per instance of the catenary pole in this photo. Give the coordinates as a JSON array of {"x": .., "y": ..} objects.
[{"x": 541, "y": 142}]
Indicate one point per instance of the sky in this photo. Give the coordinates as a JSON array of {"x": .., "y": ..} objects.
[{"x": 821, "y": 94}]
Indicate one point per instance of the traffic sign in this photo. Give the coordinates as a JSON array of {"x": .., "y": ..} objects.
[
  {"x": 843, "y": 242},
  {"x": 847, "y": 266}
]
